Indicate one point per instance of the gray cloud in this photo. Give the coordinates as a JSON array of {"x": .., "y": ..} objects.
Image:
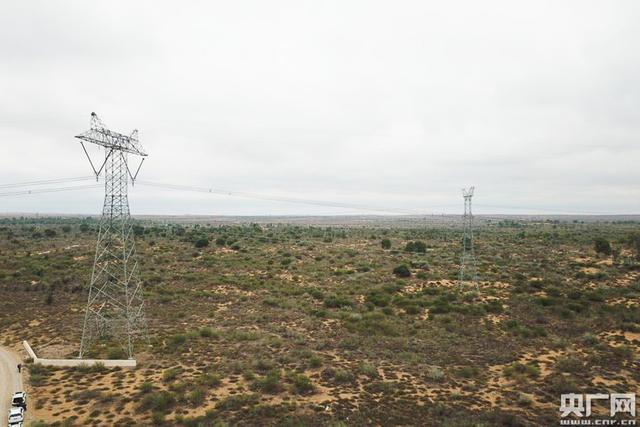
[{"x": 389, "y": 104}]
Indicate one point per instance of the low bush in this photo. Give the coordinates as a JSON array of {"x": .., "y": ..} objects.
[
  {"x": 209, "y": 379},
  {"x": 237, "y": 401},
  {"x": 146, "y": 387},
  {"x": 38, "y": 374},
  {"x": 435, "y": 373},
  {"x": 160, "y": 402},
  {"x": 116, "y": 353},
  {"x": 467, "y": 372},
  {"x": 402, "y": 271},
  {"x": 368, "y": 369},
  {"x": 569, "y": 364},
  {"x": 202, "y": 242},
  {"x": 335, "y": 301},
  {"x": 520, "y": 369},
  {"x": 602, "y": 246},
  {"x": 270, "y": 383},
  {"x": 196, "y": 396},
  {"x": 302, "y": 384},
  {"x": 315, "y": 361},
  {"x": 338, "y": 376},
  {"x": 170, "y": 374},
  {"x": 417, "y": 247},
  {"x": 208, "y": 332}
]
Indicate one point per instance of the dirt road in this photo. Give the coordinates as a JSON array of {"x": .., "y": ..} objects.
[{"x": 10, "y": 381}]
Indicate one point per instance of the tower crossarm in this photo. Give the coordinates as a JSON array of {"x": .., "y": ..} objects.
[
  {"x": 98, "y": 134},
  {"x": 467, "y": 192}
]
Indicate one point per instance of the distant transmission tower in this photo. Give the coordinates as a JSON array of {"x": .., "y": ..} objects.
[
  {"x": 115, "y": 305},
  {"x": 468, "y": 268}
]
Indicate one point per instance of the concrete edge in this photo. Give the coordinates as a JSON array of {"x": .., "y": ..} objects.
[
  {"x": 30, "y": 351},
  {"x": 109, "y": 363}
]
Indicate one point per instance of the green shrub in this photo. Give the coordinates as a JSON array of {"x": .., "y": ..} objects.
[
  {"x": 171, "y": 374},
  {"x": 146, "y": 387},
  {"x": 176, "y": 341},
  {"x": 467, "y": 372},
  {"x": 524, "y": 399},
  {"x": 207, "y": 332},
  {"x": 494, "y": 306},
  {"x": 264, "y": 365},
  {"x": 335, "y": 301},
  {"x": 196, "y": 396},
  {"x": 544, "y": 301},
  {"x": 602, "y": 246},
  {"x": 302, "y": 384},
  {"x": 384, "y": 387},
  {"x": 38, "y": 374},
  {"x": 520, "y": 369},
  {"x": 435, "y": 373},
  {"x": 402, "y": 271},
  {"x": 98, "y": 367},
  {"x": 635, "y": 243},
  {"x": 160, "y": 402},
  {"x": 368, "y": 369},
  {"x": 241, "y": 335},
  {"x": 235, "y": 402},
  {"x": 417, "y": 247},
  {"x": 269, "y": 383},
  {"x": 569, "y": 364},
  {"x": 561, "y": 385},
  {"x": 623, "y": 352},
  {"x": 379, "y": 298},
  {"x": 596, "y": 295},
  {"x": 116, "y": 353},
  {"x": 386, "y": 244},
  {"x": 338, "y": 376},
  {"x": 138, "y": 230},
  {"x": 209, "y": 379},
  {"x": 412, "y": 309},
  {"x": 158, "y": 418},
  {"x": 316, "y": 293},
  {"x": 315, "y": 361},
  {"x": 202, "y": 242},
  {"x": 589, "y": 339}
]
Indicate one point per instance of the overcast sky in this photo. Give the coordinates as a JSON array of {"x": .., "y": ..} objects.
[{"x": 393, "y": 105}]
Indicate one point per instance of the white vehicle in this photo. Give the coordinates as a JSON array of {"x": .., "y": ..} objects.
[
  {"x": 16, "y": 416},
  {"x": 16, "y": 424},
  {"x": 19, "y": 399}
]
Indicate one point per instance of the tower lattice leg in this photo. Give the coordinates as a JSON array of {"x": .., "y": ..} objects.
[{"x": 115, "y": 306}]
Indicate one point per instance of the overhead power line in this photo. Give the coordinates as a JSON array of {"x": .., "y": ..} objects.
[
  {"x": 528, "y": 210},
  {"x": 48, "y": 190},
  {"x": 273, "y": 198},
  {"x": 47, "y": 182}
]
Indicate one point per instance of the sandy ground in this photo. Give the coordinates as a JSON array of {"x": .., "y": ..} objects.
[{"x": 10, "y": 381}]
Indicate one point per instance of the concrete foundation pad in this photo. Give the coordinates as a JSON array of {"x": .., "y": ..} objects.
[{"x": 109, "y": 363}]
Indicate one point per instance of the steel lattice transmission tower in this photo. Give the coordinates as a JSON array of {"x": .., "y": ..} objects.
[
  {"x": 115, "y": 307},
  {"x": 468, "y": 268}
]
